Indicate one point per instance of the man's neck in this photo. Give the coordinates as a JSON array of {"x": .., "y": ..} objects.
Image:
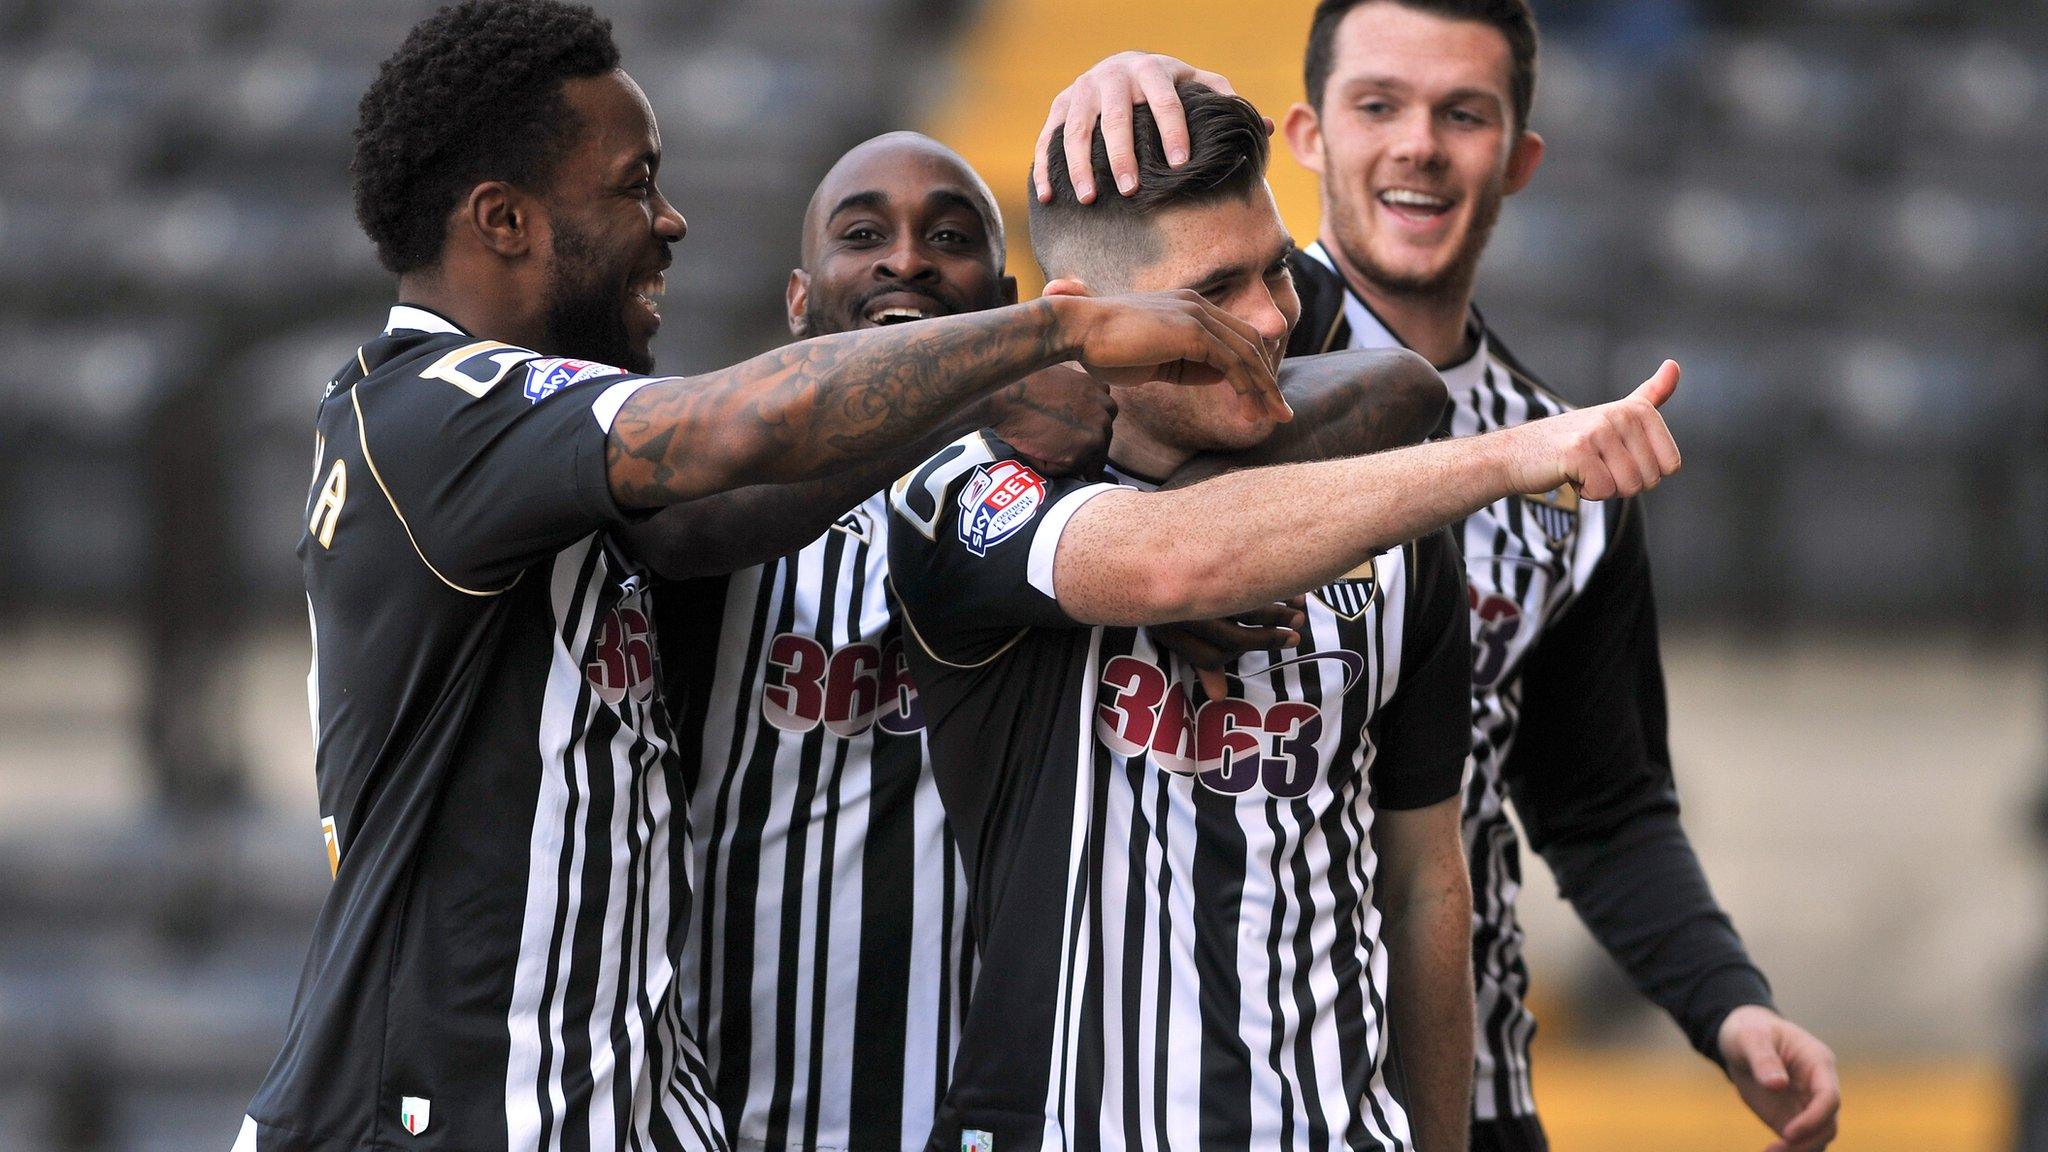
[
  {"x": 479, "y": 313},
  {"x": 1135, "y": 451},
  {"x": 1433, "y": 326}
]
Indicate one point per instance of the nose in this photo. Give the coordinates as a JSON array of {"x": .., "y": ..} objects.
[
  {"x": 1415, "y": 138},
  {"x": 906, "y": 259},
  {"x": 669, "y": 224},
  {"x": 1270, "y": 320}
]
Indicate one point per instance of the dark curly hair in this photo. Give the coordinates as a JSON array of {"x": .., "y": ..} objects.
[{"x": 474, "y": 94}]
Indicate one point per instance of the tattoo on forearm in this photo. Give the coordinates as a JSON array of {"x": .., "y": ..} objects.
[{"x": 804, "y": 409}]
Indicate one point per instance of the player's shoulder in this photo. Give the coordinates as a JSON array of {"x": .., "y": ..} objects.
[
  {"x": 932, "y": 493},
  {"x": 1503, "y": 359},
  {"x": 423, "y": 359},
  {"x": 1321, "y": 291}
]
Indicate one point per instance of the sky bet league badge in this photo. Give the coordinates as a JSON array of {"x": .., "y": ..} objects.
[{"x": 1001, "y": 498}]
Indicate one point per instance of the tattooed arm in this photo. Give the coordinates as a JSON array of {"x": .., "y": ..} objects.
[
  {"x": 818, "y": 407},
  {"x": 1059, "y": 418},
  {"x": 1345, "y": 404}
]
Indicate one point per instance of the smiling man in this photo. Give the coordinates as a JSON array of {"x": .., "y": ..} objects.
[
  {"x": 1179, "y": 901},
  {"x": 495, "y": 965},
  {"x": 828, "y": 966},
  {"x": 1417, "y": 124}
]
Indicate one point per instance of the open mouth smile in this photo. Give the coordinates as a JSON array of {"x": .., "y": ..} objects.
[{"x": 1415, "y": 205}]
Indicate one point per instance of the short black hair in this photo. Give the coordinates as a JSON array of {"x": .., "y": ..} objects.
[
  {"x": 1227, "y": 153},
  {"x": 473, "y": 94},
  {"x": 1512, "y": 18}
]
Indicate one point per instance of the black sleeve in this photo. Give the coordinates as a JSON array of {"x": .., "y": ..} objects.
[
  {"x": 1425, "y": 731},
  {"x": 1590, "y": 774},
  {"x": 495, "y": 460},
  {"x": 972, "y": 535}
]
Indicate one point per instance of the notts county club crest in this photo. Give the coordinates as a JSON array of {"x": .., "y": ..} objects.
[
  {"x": 1556, "y": 512},
  {"x": 1352, "y": 594}
]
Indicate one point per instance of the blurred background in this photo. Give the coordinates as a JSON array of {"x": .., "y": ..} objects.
[{"x": 1832, "y": 212}]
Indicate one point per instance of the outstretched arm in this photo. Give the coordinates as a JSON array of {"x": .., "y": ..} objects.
[
  {"x": 818, "y": 407},
  {"x": 1249, "y": 538},
  {"x": 1345, "y": 404},
  {"x": 1058, "y": 417}
]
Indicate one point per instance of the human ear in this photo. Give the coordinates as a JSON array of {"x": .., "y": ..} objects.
[
  {"x": 1304, "y": 132},
  {"x": 796, "y": 302},
  {"x": 1523, "y": 160},
  {"x": 503, "y": 219}
]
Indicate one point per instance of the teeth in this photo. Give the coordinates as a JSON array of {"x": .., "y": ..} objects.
[
  {"x": 883, "y": 315},
  {"x": 1413, "y": 199}
]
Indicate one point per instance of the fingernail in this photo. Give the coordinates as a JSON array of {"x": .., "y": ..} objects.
[
  {"x": 1126, "y": 183},
  {"x": 1177, "y": 156}
]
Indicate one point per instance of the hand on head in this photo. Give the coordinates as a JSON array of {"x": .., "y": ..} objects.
[{"x": 1107, "y": 93}]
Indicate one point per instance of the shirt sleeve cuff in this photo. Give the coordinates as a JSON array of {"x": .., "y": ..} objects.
[
  {"x": 1045, "y": 542},
  {"x": 593, "y": 457},
  {"x": 1719, "y": 993}
]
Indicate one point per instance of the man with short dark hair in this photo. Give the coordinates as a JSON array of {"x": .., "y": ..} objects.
[
  {"x": 1179, "y": 901},
  {"x": 1416, "y": 122},
  {"x": 495, "y": 966},
  {"x": 828, "y": 965}
]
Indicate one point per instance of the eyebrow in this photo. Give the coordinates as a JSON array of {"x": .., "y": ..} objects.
[
  {"x": 650, "y": 158},
  {"x": 953, "y": 199},
  {"x": 870, "y": 200},
  {"x": 1218, "y": 277},
  {"x": 875, "y": 201},
  {"x": 1397, "y": 85}
]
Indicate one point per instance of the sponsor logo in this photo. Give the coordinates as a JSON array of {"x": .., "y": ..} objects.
[
  {"x": 849, "y": 690},
  {"x": 1496, "y": 621},
  {"x": 976, "y": 1140},
  {"x": 621, "y": 660},
  {"x": 998, "y": 500},
  {"x": 1230, "y": 745},
  {"x": 414, "y": 1112},
  {"x": 856, "y": 524},
  {"x": 550, "y": 375}
]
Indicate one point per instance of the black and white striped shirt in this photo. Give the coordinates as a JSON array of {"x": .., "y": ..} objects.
[
  {"x": 496, "y": 964},
  {"x": 826, "y": 966},
  {"x": 1172, "y": 895},
  {"x": 1568, "y": 718}
]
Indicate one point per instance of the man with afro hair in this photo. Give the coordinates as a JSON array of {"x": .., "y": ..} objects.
[{"x": 495, "y": 965}]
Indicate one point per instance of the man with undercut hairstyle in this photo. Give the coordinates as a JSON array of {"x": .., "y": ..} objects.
[
  {"x": 1417, "y": 126},
  {"x": 827, "y": 963},
  {"x": 495, "y": 965},
  {"x": 1195, "y": 915}
]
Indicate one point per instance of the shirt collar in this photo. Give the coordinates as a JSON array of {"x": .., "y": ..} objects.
[
  {"x": 1369, "y": 331},
  {"x": 413, "y": 318}
]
